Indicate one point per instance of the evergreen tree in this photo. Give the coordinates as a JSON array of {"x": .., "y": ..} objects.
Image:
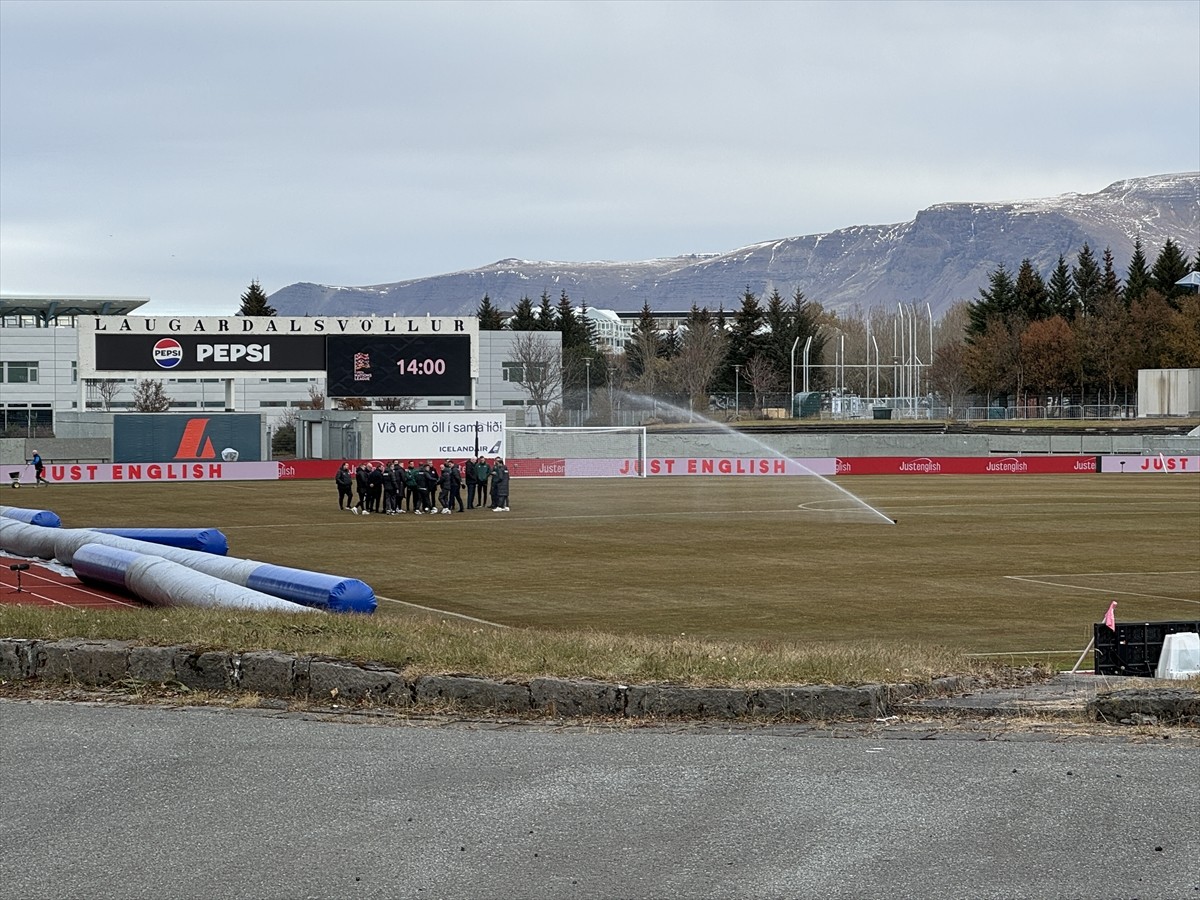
[
  {"x": 744, "y": 339},
  {"x": 590, "y": 336},
  {"x": 490, "y": 318},
  {"x": 1137, "y": 281},
  {"x": 254, "y": 302},
  {"x": 997, "y": 301},
  {"x": 523, "y": 317},
  {"x": 806, "y": 323},
  {"x": 1061, "y": 291},
  {"x": 1111, "y": 285},
  {"x": 1030, "y": 298},
  {"x": 645, "y": 344},
  {"x": 1169, "y": 267},
  {"x": 545, "y": 314},
  {"x": 1088, "y": 280},
  {"x": 574, "y": 334}
]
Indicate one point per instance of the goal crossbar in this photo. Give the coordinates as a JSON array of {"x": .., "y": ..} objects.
[{"x": 586, "y": 452}]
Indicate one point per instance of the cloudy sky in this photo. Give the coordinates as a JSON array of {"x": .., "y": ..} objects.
[{"x": 178, "y": 150}]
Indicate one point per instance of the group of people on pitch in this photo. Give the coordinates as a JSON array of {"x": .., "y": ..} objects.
[{"x": 421, "y": 488}]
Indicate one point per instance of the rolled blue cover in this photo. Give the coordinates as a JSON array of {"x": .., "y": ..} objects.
[
  {"x": 107, "y": 565},
  {"x": 206, "y": 540},
  {"x": 42, "y": 517},
  {"x": 313, "y": 589}
]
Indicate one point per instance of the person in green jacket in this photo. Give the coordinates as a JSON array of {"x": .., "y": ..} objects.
[{"x": 482, "y": 472}]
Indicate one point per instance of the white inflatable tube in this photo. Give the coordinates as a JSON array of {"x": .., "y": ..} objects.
[
  {"x": 23, "y": 539},
  {"x": 164, "y": 583}
]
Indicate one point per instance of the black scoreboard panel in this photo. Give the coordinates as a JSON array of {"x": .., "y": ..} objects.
[{"x": 418, "y": 365}]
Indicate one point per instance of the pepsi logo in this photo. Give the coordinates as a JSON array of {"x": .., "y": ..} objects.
[{"x": 168, "y": 353}]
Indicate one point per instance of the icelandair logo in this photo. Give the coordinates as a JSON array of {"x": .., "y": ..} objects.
[{"x": 195, "y": 443}]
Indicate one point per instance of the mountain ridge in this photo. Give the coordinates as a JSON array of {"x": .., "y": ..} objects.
[{"x": 942, "y": 255}]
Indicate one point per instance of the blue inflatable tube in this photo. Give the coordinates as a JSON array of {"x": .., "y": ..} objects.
[
  {"x": 42, "y": 517},
  {"x": 206, "y": 540},
  {"x": 313, "y": 589},
  {"x": 161, "y": 582}
]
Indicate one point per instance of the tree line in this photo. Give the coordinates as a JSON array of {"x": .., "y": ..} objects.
[
  {"x": 1079, "y": 330},
  {"x": 1082, "y": 330}
]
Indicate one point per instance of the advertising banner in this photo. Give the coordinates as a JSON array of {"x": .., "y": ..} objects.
[
  {"x": 965, "y": 465},
  {"x": 418, "y": 365},
  {"x": 97, "y": 473},
  {"x": 203, "y": 353},
  {"x": 170, "y": 437},
  {"x": 1160, "y": 462},
  {"x": 437, "y": 436}
]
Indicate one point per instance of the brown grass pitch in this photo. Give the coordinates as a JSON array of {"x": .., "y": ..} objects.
[{"x": 1006, "y": 564}]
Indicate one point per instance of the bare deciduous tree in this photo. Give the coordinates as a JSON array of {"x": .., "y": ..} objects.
[
  {"x": 701, "y": 351},
  {"x": 149, "y": 396},
  {"x": 762, "y": 377},
  {"x": 107, "y": 389},
  {"x": 393, "y": 404},
  {"x": 539, "y": 371}
]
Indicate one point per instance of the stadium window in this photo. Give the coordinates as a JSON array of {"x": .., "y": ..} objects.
[
  {"x": 512, "y": 403},
  {"x": 20, "y": 372},
  {"x": 74, "y": 372},
  {"x": 437, "y": 402},
  {"x": 512, "y": 371}
]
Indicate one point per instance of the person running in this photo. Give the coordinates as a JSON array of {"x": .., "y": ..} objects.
[
  {"x": 345, "y": 485},
  {"x": 500, "y": 486},
  {"x": 39, "y": 470}
]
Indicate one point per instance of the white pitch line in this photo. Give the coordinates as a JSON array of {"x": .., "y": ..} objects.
[
  {"x": 1098, "y": 590},
  {"x": 442, "y": 612},
  {"x": 76, "y": 589},
  {"x": 624, "y": 515},
  {"x": 1097, "y": 574}
]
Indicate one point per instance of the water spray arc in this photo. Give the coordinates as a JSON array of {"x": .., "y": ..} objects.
[{"x": 691, "y": 415}]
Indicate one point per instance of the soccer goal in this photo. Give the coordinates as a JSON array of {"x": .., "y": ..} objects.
[{"x": 577, "y": 452}]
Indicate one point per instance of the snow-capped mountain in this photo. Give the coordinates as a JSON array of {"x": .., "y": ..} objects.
[{"x": 941, "y": 256}]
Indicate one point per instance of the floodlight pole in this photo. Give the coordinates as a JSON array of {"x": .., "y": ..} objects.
[
  {"x": 587, "y": 361},
  {"x": 792, "y": 395}
]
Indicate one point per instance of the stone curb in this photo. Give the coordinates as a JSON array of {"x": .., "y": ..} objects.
[{"x": 282, "y": 675}]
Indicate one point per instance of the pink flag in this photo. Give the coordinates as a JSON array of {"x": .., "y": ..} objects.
[{"x": 1109, "y": 619}]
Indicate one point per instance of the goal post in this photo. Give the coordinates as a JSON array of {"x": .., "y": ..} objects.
[{"x": 613, "y": 452}]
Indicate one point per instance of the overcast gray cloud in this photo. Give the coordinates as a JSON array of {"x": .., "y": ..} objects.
[{"x": 177, "y": 150}]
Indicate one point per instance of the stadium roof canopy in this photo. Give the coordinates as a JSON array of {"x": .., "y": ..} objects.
[{"x": 47, "y": 307}]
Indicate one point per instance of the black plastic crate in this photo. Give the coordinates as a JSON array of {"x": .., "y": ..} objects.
[{"x": 1134, "y": 648}]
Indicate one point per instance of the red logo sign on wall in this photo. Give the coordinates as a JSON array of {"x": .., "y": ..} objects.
[{"x": 195, "y": 444}]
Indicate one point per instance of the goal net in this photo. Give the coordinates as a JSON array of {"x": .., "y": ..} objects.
[{"x": 577, "y": 452}]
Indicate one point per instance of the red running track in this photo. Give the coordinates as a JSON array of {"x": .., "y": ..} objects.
[{"x": 41, "y": 586}]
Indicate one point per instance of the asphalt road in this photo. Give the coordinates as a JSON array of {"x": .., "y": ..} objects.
[{"x": 155, "y": 802}]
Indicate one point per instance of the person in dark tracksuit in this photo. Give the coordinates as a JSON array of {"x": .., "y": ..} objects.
[
  {"x": 432, "y": 477},
  {"x": 456, "y": 480},
  {"x": 421, "y": 489},
  {"x": 482, "y": 472},
  {"x": 362, "y": 483},
  {"x": 446, "y": 483},
  {"x": 500, "y": 486},
  {"x": 472, "y": 482},
  {"x": 345, "y": 485},
  {"x": 375, "y": 488},
  {"x": 392, "y": 483},
  {"x": 411, "y": 498}
]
